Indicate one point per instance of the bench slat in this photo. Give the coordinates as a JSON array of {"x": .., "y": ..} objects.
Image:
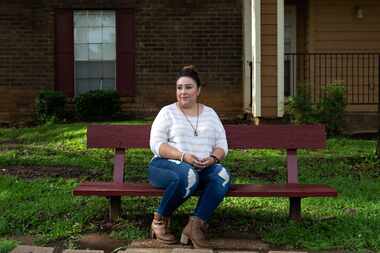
[
  {"x": 241, "y": 190},
  {"x": 239, "y": 136}
]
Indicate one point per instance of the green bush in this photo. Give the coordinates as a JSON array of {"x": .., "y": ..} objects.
[
  {"x": 299, "y": 108},
  {"x": 50, "y": 105},
  {"x": 331, "y": 108},
  {"x": 97, "y": 105},
  {"x": 7, "y": 245}
]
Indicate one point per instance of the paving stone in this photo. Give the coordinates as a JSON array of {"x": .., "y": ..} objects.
[
  {"x": 100, "y": 242},
  {"x": 151, "y": 243},
  {"x": 82, "y": 251},
  {"x": 238, "y": 244},
  {"x": 184, "y": 250},
  {"x": 236, "y": 251},
  {"x": 286, "y": 251},
  {"x": 147, "y": 250},
  {"x": 32, "y": 249}
]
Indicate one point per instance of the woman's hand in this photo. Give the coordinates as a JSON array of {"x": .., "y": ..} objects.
[
  {"x": 193, "y": 160},
  {"x": 208, "y": 161},
  {"x": 197, "y": 163}
]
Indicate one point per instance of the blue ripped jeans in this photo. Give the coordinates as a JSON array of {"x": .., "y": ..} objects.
[{"x": 180, "y": 180}]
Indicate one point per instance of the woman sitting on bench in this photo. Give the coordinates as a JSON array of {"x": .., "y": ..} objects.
[{"x": 188, "y": 141}]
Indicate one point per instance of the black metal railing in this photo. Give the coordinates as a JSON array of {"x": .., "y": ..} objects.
[{"x": 358, "y": 72}]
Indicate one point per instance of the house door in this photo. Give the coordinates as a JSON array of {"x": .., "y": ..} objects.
[{"x": 290, "y": 47}]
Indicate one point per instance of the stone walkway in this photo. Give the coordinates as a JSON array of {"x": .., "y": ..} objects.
[
  {"x": 34, "y": 249},
  {"x": 131, "y": 249}
]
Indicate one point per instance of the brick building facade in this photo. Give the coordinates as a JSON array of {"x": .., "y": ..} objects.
[{"x": 168, "y": 35}]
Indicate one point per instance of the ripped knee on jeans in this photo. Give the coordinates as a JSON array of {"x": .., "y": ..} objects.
[
  {"x": 191, "y": 181},
  {"x": 225, "y": 176}
]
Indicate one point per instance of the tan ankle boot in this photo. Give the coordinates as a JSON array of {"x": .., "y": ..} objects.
[
  {"x": 195, "y": 232},
  {"x": 160, "y": 229}
]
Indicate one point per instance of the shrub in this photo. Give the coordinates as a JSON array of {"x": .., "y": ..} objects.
[
  {"x": 378, "y": 144},
  {"x": 7, "y": 245},
  {"x": 329, "y": 111},
  {"x": 331, "y": 108},
  {"x": 97, "y": 105},
  {"x": 50, "y": 105},
  {"x": 299, "y": 108}
]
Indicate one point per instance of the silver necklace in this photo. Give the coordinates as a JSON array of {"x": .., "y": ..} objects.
[{"x": 195, "y": 129}]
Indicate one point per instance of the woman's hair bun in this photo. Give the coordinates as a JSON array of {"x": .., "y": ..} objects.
[
  {"x": 189, "y": 67},
  {"x": 189, "y": 71}
]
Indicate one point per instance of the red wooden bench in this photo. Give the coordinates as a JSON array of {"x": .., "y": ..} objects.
[{"x": 287, "y": 137}]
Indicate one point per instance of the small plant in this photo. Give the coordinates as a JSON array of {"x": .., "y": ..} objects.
[
  {"x": 329, "y": 111},
  {"x": 331, "y": 108},
  {"x": 50, "y": 106},
  {"x": 97, "y": 105},
  {"x": 300, "y": 110},
  {"x": 7, "y": 245},
  {"x": 378, "y": 144}
]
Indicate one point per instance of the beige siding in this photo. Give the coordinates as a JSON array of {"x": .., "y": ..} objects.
[
  {"x": 269, "y": 58},
  {"x": 334, "y": 28}
]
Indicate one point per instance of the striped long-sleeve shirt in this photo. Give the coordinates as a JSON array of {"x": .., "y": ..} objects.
[{"x": 171, "y": 127}]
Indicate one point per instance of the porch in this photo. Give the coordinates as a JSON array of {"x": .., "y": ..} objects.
[
  {"x": 359, "y": 73},
  {"x": 333, "y": 42}
]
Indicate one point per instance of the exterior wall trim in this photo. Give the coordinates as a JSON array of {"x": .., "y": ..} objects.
[
  {"x": 247, "y": 57},
  {"x": 280, "y": 57},
  {"x": 256, "y": 58}
]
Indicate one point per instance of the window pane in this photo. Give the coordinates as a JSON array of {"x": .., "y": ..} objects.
[
  {"x": 108, "y": 84},
  {"x": 108, "y": 34},
  {"x": 81, "y": 86},
  {"x": 81, "y": 35},
  {"x": 81, "y": 69},
  {"x": 108, "y": 18},
  {"x": 95, "y": 69},
  {"x": 95, "y": 35},
  {"x": 109, "y": 51},
  {"x": 81, "y": 52},
  {"x": 80, "y": 20},
  {"x": 95, "y": 52},
  {"x": 94, "y": 83},
  {"x": 95, "y": 19},
  {"x": 109, "y": 69}
]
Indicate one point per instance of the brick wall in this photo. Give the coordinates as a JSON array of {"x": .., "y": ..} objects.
[{"x": 169, "y": 34}]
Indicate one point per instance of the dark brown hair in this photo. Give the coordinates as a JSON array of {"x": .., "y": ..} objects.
[{"x": 189, "y": 71}]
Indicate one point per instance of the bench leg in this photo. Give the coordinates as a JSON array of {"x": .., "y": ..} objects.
[
  {"x": 115, "y": 208},
  {"x": 295, "y": 209}
]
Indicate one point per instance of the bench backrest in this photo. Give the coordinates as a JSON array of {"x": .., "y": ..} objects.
[
  {"x": 239, "y": 136},
  {"x": 289, "y": 137}
]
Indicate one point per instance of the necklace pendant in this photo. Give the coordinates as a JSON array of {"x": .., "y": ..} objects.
[{"x": 195, "y": 133}]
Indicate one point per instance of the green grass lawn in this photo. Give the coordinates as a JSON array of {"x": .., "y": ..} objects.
[{"x": 45, "y": 209}]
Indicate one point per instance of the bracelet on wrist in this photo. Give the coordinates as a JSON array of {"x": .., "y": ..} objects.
[
  {"x": 215, "y": 158},
  {"x": 182, "y": 156}
]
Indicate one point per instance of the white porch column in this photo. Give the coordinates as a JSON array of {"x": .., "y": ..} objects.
[
  {"x": 280, "y": 57},
  {"x": 256, "y": 57}
]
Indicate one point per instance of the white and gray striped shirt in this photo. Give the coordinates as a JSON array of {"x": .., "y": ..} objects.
[{"x": 171, "y": 127}]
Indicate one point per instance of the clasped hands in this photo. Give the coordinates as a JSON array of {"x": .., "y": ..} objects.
[{"x": 199, "y": 163}]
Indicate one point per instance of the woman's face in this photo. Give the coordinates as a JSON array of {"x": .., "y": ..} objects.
[{"x": 187, "y": 91}]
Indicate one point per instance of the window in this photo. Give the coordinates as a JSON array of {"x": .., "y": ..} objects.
[
  {"x": 94, "y": 50},
  {"x": 96, "y": 58}
]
